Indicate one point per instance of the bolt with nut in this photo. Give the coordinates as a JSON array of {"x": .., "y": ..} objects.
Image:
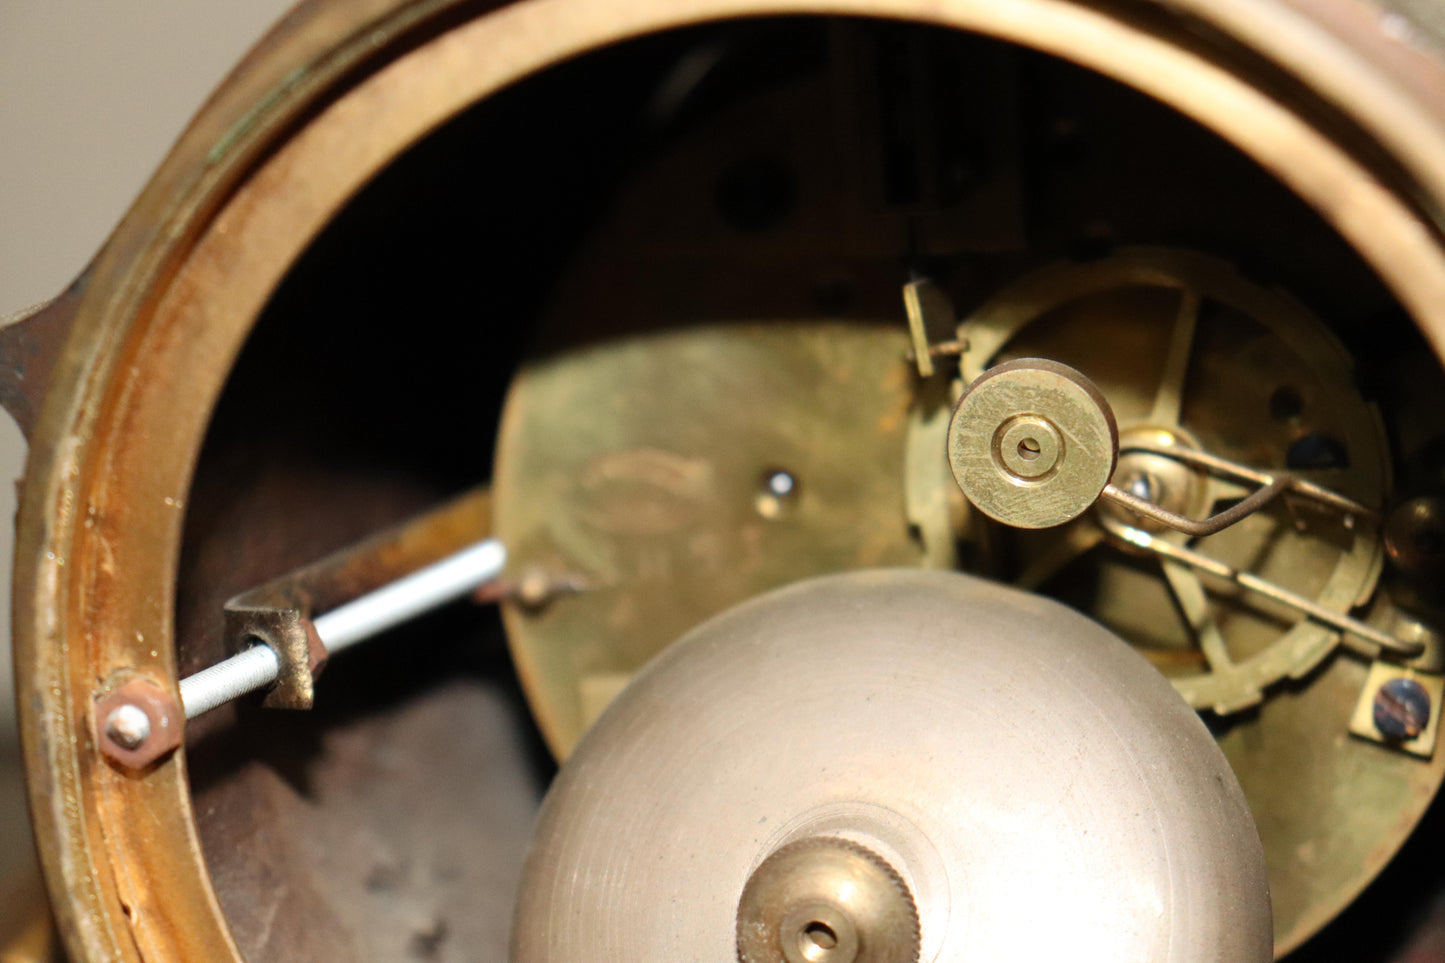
[
  {"x": 138, "y": 723},
  {"x": 128, "y": 726}
]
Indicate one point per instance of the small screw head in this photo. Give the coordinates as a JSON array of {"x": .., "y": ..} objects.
[
  {"x": 535, "y": 588},
  {"x": 1402, "y": 709},
  {"x": 777, "y": 493},
  {"x": 781, "y": 484},
  {"x": 128, "y": 726},
  {"x": 1032, "y": 443},
  {"x": 1146, "y": 486}
]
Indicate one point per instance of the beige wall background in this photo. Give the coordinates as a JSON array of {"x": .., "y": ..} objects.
[{"x": 92, "y": 95}]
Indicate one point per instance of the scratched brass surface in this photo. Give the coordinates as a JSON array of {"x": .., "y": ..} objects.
[
  {"x": 1331, "y": 809},
  {"x": 640, "y": 465},
  {"x": 293, "y": 137}
]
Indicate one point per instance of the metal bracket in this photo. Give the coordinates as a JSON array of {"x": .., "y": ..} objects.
[
  {"x": 287, "y": 629},
  {"x": 278, "y": 613},
  {"x": 932, "y": 325}
]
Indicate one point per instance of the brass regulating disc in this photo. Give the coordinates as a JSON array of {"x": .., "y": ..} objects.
[
  {"x": 1039, "y": 791},
  {"x": 1032, "y": 443}
]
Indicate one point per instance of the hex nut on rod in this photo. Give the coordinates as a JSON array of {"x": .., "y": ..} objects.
[{"x": 138, "y": 723}]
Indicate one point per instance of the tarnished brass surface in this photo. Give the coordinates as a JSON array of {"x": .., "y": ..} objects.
[
  {"x": 1189, "y": 353},
  {"x": 332, "y": 97},
  {"x": 1133, "y": 324},
  {"x": 280, "y": 611},
  {"x": 643, "y": 465},
  {"x": 1032, "y": 443},
  {"x": 30, "y": 343}
]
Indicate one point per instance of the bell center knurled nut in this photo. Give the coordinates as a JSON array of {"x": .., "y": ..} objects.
[{"x": 792, "y": 891}]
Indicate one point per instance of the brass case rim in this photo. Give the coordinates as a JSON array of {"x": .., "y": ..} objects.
[{"x": 99, "y": 525}]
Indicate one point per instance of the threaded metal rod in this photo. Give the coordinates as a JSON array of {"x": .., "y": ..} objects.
[
  {"x": 229, "y": 679},
  {"x": 361, "y": 618}
]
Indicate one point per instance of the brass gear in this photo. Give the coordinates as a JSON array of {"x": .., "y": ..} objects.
[
  {"x": 1226, "y": 346},
  {"x": 1083, "y": 314}
]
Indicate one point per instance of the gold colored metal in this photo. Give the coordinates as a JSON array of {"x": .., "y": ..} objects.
[
  {"x": 279, "y": 612},
  {"x": 1029, "y": 447},
  {"x": 1088, "y": 308},
  {"x": 1362, "y": 721},
  {"x": 932, "y": 505},
  {"x": 668, "y": 511},
  {"x": 932, "y": 501},
  {"x": 931, "y": 324},
  {"x": 1328, "y": 807},
  {"x": 1013, "y": 479},
  {"x": 1353, "y": 631},
  {"x": 1032, "y": 443},
  {"x": 335, "y": 94},
  {"x": 918, "y": 325},
  {"x": 826, "y": 900}
]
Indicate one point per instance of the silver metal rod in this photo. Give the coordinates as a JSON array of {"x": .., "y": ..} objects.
[
  {"x": 255, "y": 668},
  {"x": 410, "y": 596},
  {"x": 1350, "y": 628},
  {"x": 1209, "y": 526},
  {"x": 1270, "y": 487},
  {"x": 361, "y": 618}
]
